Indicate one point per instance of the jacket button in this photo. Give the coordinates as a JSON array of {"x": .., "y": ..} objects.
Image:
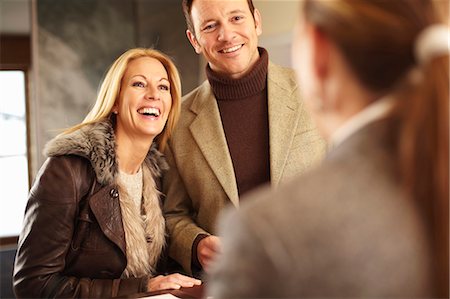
[{"x": 114, "y": 193}]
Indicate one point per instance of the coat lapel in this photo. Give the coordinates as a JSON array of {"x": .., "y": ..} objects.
[
  {"x": 106, "y": 208},
  {"x": 283, "y": 108},
  {"x": 209, "y": 135}
]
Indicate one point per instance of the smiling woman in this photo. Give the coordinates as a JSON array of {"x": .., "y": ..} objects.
[{"x": 93, "y": 224}]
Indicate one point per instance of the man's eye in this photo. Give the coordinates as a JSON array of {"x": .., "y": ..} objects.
[
  {"x": 164, "y": 87},
  {"x": 238, "y": 18},
  {"x": 138, "y": 84},
  {"x": 209, "y": 27}
]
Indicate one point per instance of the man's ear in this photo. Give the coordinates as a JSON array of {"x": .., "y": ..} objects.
[
  {"x": 193, "y": 41},
  {"x": 258, "y": 22},
  {"x": 321, "y": 52}
]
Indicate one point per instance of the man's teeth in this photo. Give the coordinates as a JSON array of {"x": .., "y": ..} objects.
[
  {"x": 232, "y": 49},
  {"x": 149, "y": 111}
]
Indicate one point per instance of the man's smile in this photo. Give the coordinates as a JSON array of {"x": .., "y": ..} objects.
[{"x": 231, "y": 49}]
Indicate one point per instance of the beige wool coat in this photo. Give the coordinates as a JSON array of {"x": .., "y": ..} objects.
[{"x": 201, "y": 179}]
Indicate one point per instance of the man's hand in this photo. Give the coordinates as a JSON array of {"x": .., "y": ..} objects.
[{"x": 207, "y": 250}]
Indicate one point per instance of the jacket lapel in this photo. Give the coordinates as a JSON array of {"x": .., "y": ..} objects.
[
  {"x": 208, "y": 134},
  {"x": 283, "y": 108},
  {"x": 106, "y": 208}
]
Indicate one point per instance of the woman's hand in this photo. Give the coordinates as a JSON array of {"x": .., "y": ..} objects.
[{"x": 172, "y": 281}]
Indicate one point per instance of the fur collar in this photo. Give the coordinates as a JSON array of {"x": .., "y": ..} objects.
[
  {"x": 96, "y": 142},
  {"x": 144, "y": 227},
  {"x": 144, "y": 233}
]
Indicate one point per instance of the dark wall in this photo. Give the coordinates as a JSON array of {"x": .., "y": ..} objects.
[
  {"x": 96, "y": 31},
  {"x": 169, "y": 36}
]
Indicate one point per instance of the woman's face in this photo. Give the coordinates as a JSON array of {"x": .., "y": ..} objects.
[{"x": 144, "y": 100}]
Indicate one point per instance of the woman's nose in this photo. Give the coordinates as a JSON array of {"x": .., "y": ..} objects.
[{"x": 152, "y": 93}]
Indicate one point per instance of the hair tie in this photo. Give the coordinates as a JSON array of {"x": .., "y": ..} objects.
[{"x": 431, "y": 42}]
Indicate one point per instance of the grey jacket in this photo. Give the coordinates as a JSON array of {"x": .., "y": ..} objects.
[{"x": 345, "y": 229}]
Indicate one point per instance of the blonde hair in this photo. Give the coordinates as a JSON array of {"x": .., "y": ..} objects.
[{"x": 110, "y": 89}]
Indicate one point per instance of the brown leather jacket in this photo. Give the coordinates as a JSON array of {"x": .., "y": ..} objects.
[{"x": 60, "y": 255}]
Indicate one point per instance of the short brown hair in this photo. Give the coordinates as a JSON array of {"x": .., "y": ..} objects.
[{"x": 187, "y": 6}]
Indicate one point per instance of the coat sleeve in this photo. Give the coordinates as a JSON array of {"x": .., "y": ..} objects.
[
  {"x": 47, "y": 234},
  {"x": 179, "y": 215}
]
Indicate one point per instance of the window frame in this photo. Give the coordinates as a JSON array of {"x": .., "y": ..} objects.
[{"x": 15, "y": 55}]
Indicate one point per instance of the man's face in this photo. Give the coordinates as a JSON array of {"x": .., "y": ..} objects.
[{"x": 226, "y": 34}]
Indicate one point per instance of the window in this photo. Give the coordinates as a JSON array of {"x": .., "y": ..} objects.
[{"x": 14, "y": 183}]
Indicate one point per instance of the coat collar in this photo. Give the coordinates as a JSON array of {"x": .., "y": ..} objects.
[
  {"x": 209, "y": 135},
  {"x": 284, "y": 116},
  {"x": 96, "y": 142}
]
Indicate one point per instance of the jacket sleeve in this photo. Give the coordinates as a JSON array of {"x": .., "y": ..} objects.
[
  {"x": 47, "y": 233},
  {"x": 246, "y": 269},
  {"x": 179, "y": 214}
]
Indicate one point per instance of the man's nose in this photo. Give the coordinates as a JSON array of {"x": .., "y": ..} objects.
[{"x": 226, "y": 32}]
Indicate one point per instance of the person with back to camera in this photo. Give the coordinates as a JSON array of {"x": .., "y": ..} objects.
[
  {"x": 372, "y": 220},
  {"x": 93, "y": 224},
  {"x": 242, "y": 127}
]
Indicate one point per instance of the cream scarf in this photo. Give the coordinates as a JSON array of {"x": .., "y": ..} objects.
[{"x": 144, "y": 227}]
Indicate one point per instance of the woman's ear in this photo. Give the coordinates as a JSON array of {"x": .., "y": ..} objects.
[
  {"x": 332, "y": 71},
  {"x": 324, "y": 69},
  {"x": 321, "y": 53},
  {"x": 115, "y": 108}
]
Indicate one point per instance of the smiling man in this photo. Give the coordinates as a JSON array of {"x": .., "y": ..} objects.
[{"x": 245, "y": 126}]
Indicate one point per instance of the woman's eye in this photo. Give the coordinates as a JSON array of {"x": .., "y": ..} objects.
[
  {"x": 138, "y": 84},
  {"x": 164, "y": 87}
]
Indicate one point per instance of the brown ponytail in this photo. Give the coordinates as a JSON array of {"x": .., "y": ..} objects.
[{"x": 424, "y": 156}]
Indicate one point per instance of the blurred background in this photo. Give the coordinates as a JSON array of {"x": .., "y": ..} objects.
[{"x": 53, "y": 55}]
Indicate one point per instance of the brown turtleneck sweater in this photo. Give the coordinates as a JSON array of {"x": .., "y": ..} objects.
[
  {"x": 243, "y": 109},
  {"x": 244, "y": 112}
]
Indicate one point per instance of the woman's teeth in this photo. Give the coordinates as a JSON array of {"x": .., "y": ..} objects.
[{"x": 149, "y": 111}]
